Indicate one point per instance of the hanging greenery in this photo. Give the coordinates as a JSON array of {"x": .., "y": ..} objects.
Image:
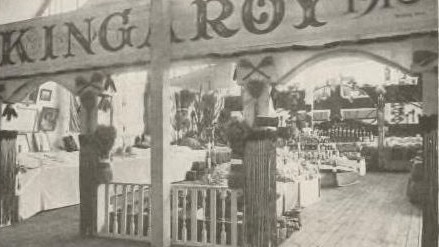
[
  {"x": 104, "y": 137},
  {"x": 255, "y": 88},
  {"x": 237, "y": 132}
]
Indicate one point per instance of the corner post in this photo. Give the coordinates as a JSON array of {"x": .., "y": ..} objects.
[
  {"x": 87, "y": 187},
  {"x": 158, "y": 76}
]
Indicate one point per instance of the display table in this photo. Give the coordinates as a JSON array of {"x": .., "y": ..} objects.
[
  {"x": 339, "y": 177},
  {"x": 297, "y": 194},
  {"x": 309, "y": 191}
]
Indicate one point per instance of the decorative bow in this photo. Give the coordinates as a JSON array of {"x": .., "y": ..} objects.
[
  {"x": 95, "y": 83},
  {"x": 109, "y": 84},
  {"x": 9, "y": 112},
  {"x": 265, "y": 62}
]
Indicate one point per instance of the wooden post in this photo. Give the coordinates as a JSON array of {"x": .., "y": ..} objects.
[
  {"x": 87, "y": 158},
  {"x": 1, "y": 112},
  {"x": 430, "y": 224},
  {"x": 260, "y": 191},
  {"x": 158, "y": 76},
  {"x": 256, "y": 74},
  {"x": 381, "y": 132}
]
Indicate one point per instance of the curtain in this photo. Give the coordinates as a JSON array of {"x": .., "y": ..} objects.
[
  {"x": 75, "y": 122},
  {"x": 8, "y": 170}
]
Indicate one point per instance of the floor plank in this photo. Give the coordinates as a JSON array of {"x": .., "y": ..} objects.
[
  {"x": 375, "y": 212},
  {"x": 54, "y": 228}
]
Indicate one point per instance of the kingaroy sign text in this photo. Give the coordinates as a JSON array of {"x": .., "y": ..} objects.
[{"x": 118, "y": 35}]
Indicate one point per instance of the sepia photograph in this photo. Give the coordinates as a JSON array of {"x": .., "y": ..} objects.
[{"x": 219, "y": 123}]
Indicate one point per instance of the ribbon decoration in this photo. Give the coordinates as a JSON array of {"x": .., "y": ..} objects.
[
  {"x": 97, "y": 84},
  {"x": 265, "y": 62},
  {"x": 9, "y": 112},
  {"x": 109, "y": 84},
  {"x": 105, "y": 103},
  {"x": 94, "y": 84},
  {"x": 256, "y": 74}
]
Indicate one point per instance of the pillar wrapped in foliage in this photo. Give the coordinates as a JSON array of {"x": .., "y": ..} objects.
[
  {"x": 8, "y": 173},
  {"x": 260, "y": 189},
  {"x": 94, "y": 169},
  {"x": 88, "y": 159}
]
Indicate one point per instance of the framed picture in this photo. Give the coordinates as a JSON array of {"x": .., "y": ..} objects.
[
  {"x": 48, "y": 119},
  {"x": 45, "y": 95}
]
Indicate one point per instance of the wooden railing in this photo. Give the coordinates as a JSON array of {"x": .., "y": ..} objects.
[
  {"x": 124, "y": 211},
  {"x": 206, "y": 215}
]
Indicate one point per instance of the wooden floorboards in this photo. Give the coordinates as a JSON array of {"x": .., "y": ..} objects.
[
  {"x": 56, "y": 228},
  {"x": 373, "y": 213}
]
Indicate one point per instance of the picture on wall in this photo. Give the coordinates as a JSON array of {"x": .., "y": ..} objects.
[
  {"x": 48, "y": 119},
  {"x": 46, "y": 95}
]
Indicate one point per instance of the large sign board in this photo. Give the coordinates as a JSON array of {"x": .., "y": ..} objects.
[{"x": 118, "y": 35}]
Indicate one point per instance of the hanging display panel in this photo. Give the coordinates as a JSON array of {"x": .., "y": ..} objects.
[{"x": 118, "y": 34}]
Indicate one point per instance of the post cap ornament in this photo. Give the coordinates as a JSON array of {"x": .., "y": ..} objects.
[{"x": 256, "y": 74}]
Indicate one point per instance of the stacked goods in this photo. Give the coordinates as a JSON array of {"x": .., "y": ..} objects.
[
  {"x": 370, "y": 154},
  {"x": 287, "y": 224},
  {"x": 198, "y": 171},
  {"x": 399, "y": 151},
  {"x": 220, "y": 155},
  {"x": 291, "y": 168},
  {"x": 288, "y": 169},
  {"x": 220, "y": 174},
  {"x": 202, "y": 171},
  {"x": 346, "y": 134},
  {"x": 417, "y": 187}
]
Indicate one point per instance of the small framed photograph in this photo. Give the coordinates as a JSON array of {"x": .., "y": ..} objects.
[
  {"x": 48, "y": 119},
  {"x": 45, "y": 95}
]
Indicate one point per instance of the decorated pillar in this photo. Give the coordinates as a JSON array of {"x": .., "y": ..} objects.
[
  {"x": 255, "y": 75},
  {"x": 381, "y": 130},
  {"x": 88, "y": 88}
]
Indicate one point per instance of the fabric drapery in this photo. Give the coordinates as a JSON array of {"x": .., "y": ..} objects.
[{"x": 7, "y": 174}]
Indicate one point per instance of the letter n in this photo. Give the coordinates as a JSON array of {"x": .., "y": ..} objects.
[{"x": 74, "y": 32}]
